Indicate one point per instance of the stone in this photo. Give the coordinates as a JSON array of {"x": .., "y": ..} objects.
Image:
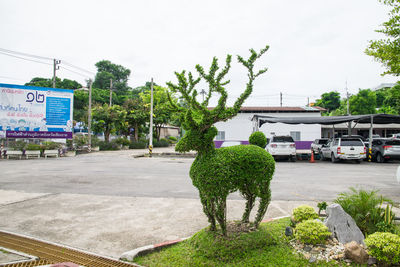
[
  {"x": 312, "y": 259},
  {"x": 342, "y": 225},
  {"x": 288, "y": 231},
  {"x": 371, "y": 261},
  {"x": 307, "y": 249},
  {"x": 355, "y": 252}
]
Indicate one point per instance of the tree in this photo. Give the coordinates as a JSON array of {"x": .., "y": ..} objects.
[
  {"x": 392, "y": 100},
  {"x": 107, "y": 70},
  {"x": 387, "y": 51},
  {"x": 329, "y": 101},
  {"x": 161, "y": 107},
  {"x": 45, "y": 82},
  {"x": 363, "y": 103},
  {"x": 137, "y": 115},
  {"x": 218, "y": 172},
  {"x": 108, "y": 119}
]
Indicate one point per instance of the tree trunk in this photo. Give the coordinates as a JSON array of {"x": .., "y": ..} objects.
[
  {"x": 136, "y": 127},
  {"x": 107, "y": 135}
]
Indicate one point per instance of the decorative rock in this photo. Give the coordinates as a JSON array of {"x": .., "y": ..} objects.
[
  {"x": 355, "y": 252},
  {"x": 288, "y": 231},
  {"x": 371, "y": 261},
  {"x": 342, "y": 225},
  {"x": 312, "y": 259},
  {"x": 307, "y": 249}
]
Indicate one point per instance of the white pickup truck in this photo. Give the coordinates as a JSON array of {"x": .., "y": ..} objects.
[{"x": 347, "y": 148}]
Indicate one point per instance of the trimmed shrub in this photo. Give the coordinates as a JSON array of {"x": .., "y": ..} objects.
[
  {"x": 138, "y": 145},
  {"x": 33, "y": 147},
  {"x": 109, "y": 146},
  {"x": 303, "y": 213},
  {"x": 162, "y": 143},
  {"x": 384, "y": 247},
  {"x": 123, "y": 141},
  {"x": 258, "y": 139},
  {"x": 19, "y": 145},
  {"x": 366, "y": 209},
  {"x": 172, "y": 139},
  {"x": 311, "y": 232}
]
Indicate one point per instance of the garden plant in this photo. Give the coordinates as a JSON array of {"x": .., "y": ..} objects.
[{"x": 218, "y": 172}]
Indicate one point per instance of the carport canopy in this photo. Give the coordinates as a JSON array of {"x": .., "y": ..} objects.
[{"x": 330, "y": 120}]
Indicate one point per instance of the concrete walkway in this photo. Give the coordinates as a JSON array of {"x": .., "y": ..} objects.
[{"x": 110, "y": 225}]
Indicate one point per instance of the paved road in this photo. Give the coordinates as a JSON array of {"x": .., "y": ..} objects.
[{"x": 119, "y": 174}]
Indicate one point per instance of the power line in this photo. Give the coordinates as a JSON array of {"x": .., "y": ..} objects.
[
  {"x": 76, "y": 67},
  {"x": 83, "y": 75},
  {"x": 24, "y": 54},
  {"x": 27, "y": 59}
]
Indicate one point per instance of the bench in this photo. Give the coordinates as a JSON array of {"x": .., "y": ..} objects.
[
  {"x": 32, "y": 154},
  {"x": 51, "y": 153},
  {"x": 14, "y": 154}
]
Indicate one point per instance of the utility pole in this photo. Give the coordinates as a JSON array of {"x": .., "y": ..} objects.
[
  {"x": 348, "y": 110},
  {"x": 110, "y": 92},
  {"x": 281, "y": 98},
  {"x": 90, "y": 118},
  {"x": 308, "y": 101},
  {"x": 151, "y": 120},
  {"x": 55, "y": 68}
]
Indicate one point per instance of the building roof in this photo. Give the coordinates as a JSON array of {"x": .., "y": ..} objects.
[
  {"x": 278, "y": 109},
  {"x": 329, "y": 120}
]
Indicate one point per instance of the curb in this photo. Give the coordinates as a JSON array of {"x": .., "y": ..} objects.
[{"x": 132, "y": 254}]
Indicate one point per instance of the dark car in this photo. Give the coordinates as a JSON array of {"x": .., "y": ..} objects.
[{"x": 385, "y": 149}]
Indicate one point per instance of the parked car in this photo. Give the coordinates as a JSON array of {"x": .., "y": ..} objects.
[
  {"x": 282, "y": 147},
  {"x": 385, "y": 149},
  {"x": 317, "y": 144},
  {"x": 347, "y": 148}
]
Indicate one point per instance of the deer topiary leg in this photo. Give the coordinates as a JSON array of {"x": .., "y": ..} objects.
[
  {"x": 221, "y": 213},
  {"x": 209, "y": 210},
  {"x": 250, "y": 201},
  {"x": 265, "y": 199}
]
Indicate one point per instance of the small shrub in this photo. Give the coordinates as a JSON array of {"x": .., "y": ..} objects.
[
  {"x": 384, "y": 247},
  {"x": 50, "y": 145},
  {"x": 162, "y": 143},
  {"x": 123, "y": 141},
  {"x": 19, "y": 145},
  {"x": 258, "y": 139},
  {"x": 303, "y": 213},
  {"x": 172, "y": 139},
  {"x": 365, "y": 207},
  {"x": 311, "y": 232},
  {"x": 321, "y": 206},
  {"x": 108, "y": 146},
  {"x": 138, "y": 145},
  {"x": 80, "y": 140},
  {"x": 33, "y": 147}
]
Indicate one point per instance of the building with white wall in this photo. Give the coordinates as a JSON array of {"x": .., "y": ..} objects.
[{"x": 241, "y": 126}]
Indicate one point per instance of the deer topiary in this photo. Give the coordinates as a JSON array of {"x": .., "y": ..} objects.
[{"x": 218, "y": 172}]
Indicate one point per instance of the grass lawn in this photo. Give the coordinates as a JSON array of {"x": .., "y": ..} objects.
[{"x": 267, "y": 247}]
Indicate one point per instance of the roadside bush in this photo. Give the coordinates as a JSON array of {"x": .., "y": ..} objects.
[
  {"x": 19, "y": 145},
  {"x": 49, "y": 145},
  {"x": 138, "y": 145},
  {"x": 33, "y": 147},
  {"x": 258, "y": 139},
  {"x": 311, "y": 232},
  {"x": 366, "y": 209},
  {"x": 384, "y": 247},
  {"x": 303, "y": 213},
  {"x": 172, "y": 139},
  {"x": 123, "y": 141},
  {"x": 109, "y": 146},
  {"x": 80, "y": 140},
  {"x": 162, "y": 143}
]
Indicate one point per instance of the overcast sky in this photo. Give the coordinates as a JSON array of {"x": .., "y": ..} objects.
[{"x": 315, "y": 46}]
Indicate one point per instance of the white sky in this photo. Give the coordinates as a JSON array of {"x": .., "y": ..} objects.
[{"x": 315, "y": 46}]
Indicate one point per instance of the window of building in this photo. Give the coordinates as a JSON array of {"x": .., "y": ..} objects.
[
  {"x": 295, "y": 136},
  {"x": 220, "y": 136}
]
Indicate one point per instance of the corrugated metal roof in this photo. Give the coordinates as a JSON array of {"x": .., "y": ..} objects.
[{"x": 279, "y": 109}]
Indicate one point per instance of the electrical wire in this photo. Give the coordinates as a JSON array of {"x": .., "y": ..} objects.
[
  {"x": 27, "y": 59},
  {"x": 83, "y": 75},
  {"x": 24, "y": 54},
  {"x": 76, "y": 67}
]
